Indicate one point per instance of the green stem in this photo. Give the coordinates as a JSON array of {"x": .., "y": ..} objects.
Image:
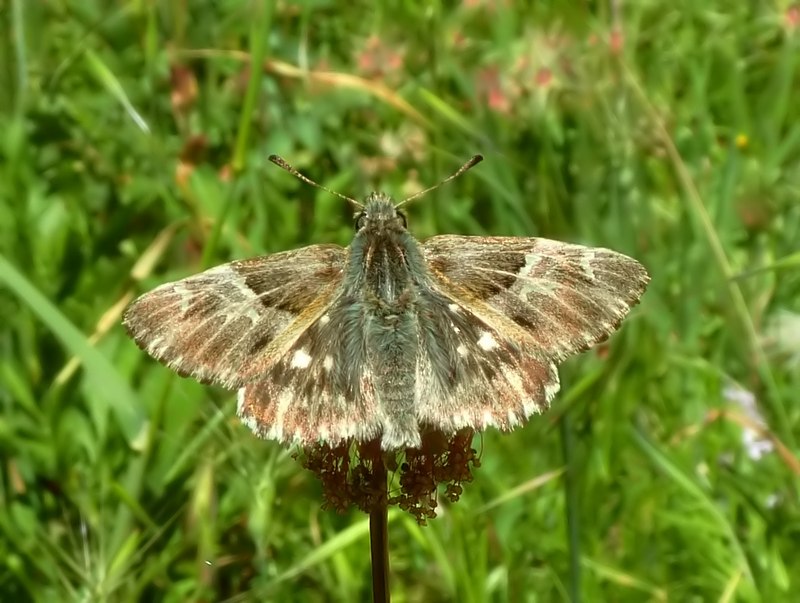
[
  {"x": 379, "y": 538},
  {"x": 571, "y": 508}
]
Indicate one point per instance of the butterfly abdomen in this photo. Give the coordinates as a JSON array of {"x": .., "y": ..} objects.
[{"x": 392, "y": 344}]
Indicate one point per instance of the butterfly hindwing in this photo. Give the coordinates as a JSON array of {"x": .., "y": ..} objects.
[
  {"x": 225, "y": 325},
  {"x": 322, "y": 388},
  {"x": 471, "y": 374}
]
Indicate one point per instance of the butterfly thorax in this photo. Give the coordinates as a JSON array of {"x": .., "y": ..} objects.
[
  {"x": 382, "y": 283},
  {"x": 386, "y": 263}
]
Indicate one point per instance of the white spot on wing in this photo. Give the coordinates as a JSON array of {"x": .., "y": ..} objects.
[
  {"x": 531, "y": 260},
  {"x": 462, "y": 350},
  {"x": 301, "y": 359},
  {"x": 240, "y": 401},
  {"x": 185, "y": 296},
  {"x": 327, "y": 364},
  {"x": 349, "y": 430},
  {"x": 153, "y": 347},
  {"x": 513, "y": 419},
  {"x": 250, "y": 422},
  {"x": 531, "y": 406},
  {"x": 324, "y": 319},
  {"x": 284, "y": 400},
  {"x": 551, "y": 388},
  {"x": 487, "y": 342},
  {"x": 587, "y": 257},
  {"x": 455, "y": 308},
  {"x": 514, "y": 379},
  {"x": 461, "y": 420}
]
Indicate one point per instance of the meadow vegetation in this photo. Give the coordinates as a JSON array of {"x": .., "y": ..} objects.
[{"x": 134, "y": 139}]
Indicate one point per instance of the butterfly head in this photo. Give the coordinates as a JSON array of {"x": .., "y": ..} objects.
[{"x": 379, "y": 214}]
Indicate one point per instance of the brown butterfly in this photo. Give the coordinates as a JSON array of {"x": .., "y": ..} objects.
[{"x": 389, "y": 336}]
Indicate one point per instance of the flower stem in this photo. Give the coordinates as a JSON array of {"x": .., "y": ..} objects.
[{"x": 379, "y": 537}]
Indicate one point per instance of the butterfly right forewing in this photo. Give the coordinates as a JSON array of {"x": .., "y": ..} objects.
[{"x": 567, "y": 297}]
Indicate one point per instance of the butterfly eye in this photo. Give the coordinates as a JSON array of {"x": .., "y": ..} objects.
[{"x": 361, "y": 219}]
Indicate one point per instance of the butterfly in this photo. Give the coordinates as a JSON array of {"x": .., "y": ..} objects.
[{"x": 389, "y": 337}]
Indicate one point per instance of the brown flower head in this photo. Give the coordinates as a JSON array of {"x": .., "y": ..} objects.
[{"x": 354, "y": 473}]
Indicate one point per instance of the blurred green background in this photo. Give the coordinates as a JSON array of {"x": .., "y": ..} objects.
[{"x": 134, "y": 139}]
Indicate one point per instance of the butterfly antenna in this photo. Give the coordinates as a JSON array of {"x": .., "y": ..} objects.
[
  {"x": 281, "y": 162},
  {"x": 473, "y": 161}
]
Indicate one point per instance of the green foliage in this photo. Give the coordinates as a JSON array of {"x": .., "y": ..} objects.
[{"x": 134, "y": 139}]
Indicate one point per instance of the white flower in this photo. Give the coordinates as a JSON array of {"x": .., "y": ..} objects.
[{"x": 754, "y": 442}]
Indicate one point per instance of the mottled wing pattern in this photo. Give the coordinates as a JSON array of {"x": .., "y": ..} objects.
[
  {"x": 228, "y": 324},
  {"x": 322, "y": 388},
  {"x": 537, "y": 302},
  {"x": 473, "y": 370}
]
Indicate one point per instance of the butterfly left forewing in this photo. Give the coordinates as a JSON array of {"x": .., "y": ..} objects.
[{"x": 228, "y": 324}]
